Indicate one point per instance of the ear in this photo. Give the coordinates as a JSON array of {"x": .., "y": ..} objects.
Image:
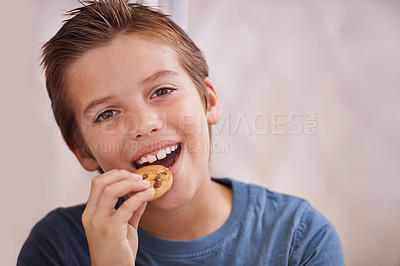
[
  {"x": 213, "y": 109},
  {"x": 86, "y": 161}
]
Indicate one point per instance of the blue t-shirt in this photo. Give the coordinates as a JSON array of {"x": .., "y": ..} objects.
[{"x": 264, "y": 228}]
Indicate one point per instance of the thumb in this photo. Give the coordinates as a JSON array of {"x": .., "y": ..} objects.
[{"x": 134, "y": 221}]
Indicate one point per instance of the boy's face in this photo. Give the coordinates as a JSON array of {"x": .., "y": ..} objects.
[{"x": 133, "y": 100}]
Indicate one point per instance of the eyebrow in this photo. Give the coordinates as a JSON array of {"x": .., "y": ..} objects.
[
  {"x": 94, "y": 103},
  {"x": 155, "y": 76},
  {"x": 160, "y": 74}
]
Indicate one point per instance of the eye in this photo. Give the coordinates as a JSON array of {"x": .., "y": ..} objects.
[
  {"x": 162, "y": 92},
  {"x": 105, "y": 115}
]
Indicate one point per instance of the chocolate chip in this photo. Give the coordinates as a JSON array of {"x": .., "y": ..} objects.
[
  {"x": 158, "y": 177},
  {"x": 157, "y": 184},
  {"x": 145, "y": 176},
  {"x": 164, "y": 173}
]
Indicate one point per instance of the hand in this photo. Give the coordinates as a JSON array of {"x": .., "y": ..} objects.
[{"x": 112, "y": 234}]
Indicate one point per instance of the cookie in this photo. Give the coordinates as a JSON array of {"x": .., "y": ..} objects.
[{"x": 160, "y": 178}]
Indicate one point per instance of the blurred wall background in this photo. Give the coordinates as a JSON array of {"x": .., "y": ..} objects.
[{"x": 310, "y": 95}]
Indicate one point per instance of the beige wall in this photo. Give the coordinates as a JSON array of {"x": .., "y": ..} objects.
[
  {"x": 270, "y": 61},
  {"x": 339, "y": 59}
]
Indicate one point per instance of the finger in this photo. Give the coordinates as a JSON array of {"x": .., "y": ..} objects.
[
  {"x": 102, "y": 181},
  {"x": 135, "y": 218},
  {"x": 133, "y": 204},
  {"x": 111, "y": 193},
  {"x": 98, "y": 185}
]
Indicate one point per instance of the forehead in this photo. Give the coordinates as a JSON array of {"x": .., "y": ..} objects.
[
  {"x": 125, "y": 61},
  {"x": 132, "y": 53}
]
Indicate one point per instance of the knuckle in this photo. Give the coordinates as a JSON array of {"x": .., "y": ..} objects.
[
  {"x": 113, "y": 171},
  {"x": 95, "y": 180},
  {"x": 96, "y": 224},
  {"x": 125, "y": 173},
  {"x": 85, "y": 220},
  {"x": 108, "y": 191},
  {"x": 132, "y": 183}
]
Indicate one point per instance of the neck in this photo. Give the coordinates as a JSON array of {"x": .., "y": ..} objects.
[{"x": 208, "y": 210}]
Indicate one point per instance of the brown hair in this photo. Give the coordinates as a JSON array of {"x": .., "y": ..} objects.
[{"x": 96, "y": 24}]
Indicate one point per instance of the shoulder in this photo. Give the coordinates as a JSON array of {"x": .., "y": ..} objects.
[
  {"x": 272, "y": 204},
  {"x": 255, "y": 205},
  {"x": 316, "y": 240},
  {"x": 292, "y": 222},
  {"x": 50, "y": 239}
]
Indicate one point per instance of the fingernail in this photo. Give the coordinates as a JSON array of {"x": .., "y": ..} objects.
[
  {"x": 153, "y": 191},
  {"x": 146, "y": 182},
  {"x": 137, "y": 176}
]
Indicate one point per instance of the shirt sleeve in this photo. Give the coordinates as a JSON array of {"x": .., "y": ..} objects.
[
  {"x": 316, "y": 241},
  {"x": 46, "y": 244}
]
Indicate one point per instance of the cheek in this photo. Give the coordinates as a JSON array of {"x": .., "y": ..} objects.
[
  {"x": 188, "y": 116},
  {"x": 192, "y": 124},
  {"x": 105, "y": 145}
]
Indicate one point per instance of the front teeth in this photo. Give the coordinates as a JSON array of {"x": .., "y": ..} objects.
[
  {"x": 151, "y": 158},
  {"x": 161, "y": 154}
]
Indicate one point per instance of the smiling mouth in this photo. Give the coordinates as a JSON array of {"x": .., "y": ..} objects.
[{"x": 165, "y": 157}]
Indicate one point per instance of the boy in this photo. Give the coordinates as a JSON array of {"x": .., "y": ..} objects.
[{"x": 125, "y": 77}]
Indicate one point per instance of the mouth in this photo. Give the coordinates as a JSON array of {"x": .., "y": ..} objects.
[{"x": 166, "y": 157}]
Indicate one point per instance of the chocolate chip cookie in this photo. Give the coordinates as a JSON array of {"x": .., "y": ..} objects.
[{"x": 159, "y": 176}]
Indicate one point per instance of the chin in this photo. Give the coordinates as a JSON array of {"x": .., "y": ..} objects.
[{"x": 172, "y": 200}]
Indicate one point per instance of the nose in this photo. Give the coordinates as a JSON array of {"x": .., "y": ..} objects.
[
  {"x": 143, "y": 124},
  {"x": 148, "y": 124}
]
